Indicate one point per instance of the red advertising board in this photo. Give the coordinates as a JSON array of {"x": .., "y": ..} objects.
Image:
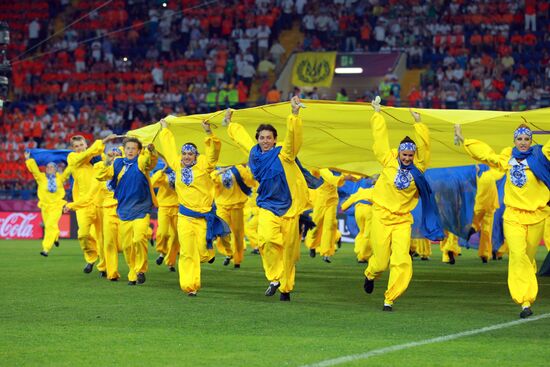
[{"x": 28, "y": 225}]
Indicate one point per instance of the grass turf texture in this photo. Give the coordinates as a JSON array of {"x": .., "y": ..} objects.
[{"x": 53, "y": 314}]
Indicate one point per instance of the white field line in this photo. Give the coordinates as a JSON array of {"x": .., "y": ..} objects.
[{"x": 439, "y": 339}]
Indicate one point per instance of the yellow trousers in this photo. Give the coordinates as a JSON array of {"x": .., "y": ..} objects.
[
  {"x": 167, "y": 234},
  {"x": 547, "y": 233},
  {"x": 279, "y": 244},
  {"x": 390, "y": 246},
  {"x": 363, "y": 217},
  {"x": 323, "y": 235},
  {"x": 50, "y": 216},
  {"x": 523, "y": 240},
  {"x": 100, "y": 243},
  {"x": 193, "y": 251},
  {"x": 251, "y": 229},
  {"x": 233, "y": 244},
  {"x": 111, "y": 243},
  {"x": 133, "y": 236},
  {"x": 449, "y": 244},
  {"x": 86, "y": 218},
  {"x": 422, "y": 246},
  {"x": 483, "y": 222}
]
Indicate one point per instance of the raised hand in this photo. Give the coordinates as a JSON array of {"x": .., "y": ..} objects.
[
  {"x": 206, "y": 126},
  {"x": 459, "y": 139},
  {"x": 415, "y": 115},
  {"x": 376, "y": 103}
]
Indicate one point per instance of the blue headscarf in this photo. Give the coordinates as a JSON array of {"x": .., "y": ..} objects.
[{"x": 430, "y": 227}]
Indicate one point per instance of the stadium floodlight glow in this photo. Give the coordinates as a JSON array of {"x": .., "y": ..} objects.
[
  {"x": 164, "y": 5},
  {"x": 348, "y": 70},
  {"x": 125, "y": 59}
]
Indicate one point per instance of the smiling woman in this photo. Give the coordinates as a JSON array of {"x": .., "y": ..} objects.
[{"x": 526, "y": 196}]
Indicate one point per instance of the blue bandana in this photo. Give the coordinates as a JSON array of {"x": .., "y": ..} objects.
[
  {"x": 523, "y": 131},
  {"x": 407, "y": 146},
  {"x": 188, "y": 148}
]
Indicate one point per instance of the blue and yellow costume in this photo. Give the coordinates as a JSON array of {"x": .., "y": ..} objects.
[
  {"x": 325, "y": 205},
  {"x": 233, "y": 187},
  {"x": 195, "y": 191},
  {"x": 167, "y": 231},
  {"x": 129, "y": 179},
  {"x": 395, "y": 195},
  {"x": 363, "y": 216},
  {"x": 526, "y": 196},
  {"x": 282, "y": 197},
  {"x": 51, "y": 194},
  {"x": 83, "y": 172}
]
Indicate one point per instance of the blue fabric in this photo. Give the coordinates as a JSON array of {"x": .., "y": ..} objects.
[
  {"x": 306, "y": 222},
  {"x": 45, "y": 156},
  {"x": 171, "y": 177},
  {"x": 244, "y": 188},
  {"x": 215, "y": 226},
  {"x": 95, "y": 159},
  {"x": 227, "y": 179},
  {"x": 430, "y": 226},
  {"x": 537, "y": 161},
  {"x": 312, "y": 181},
  {"x": 273, "y": 192},
  {"x": 132, "y": 191}
]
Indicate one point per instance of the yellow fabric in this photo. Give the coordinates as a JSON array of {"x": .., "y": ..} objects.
[
  {"x": 166, "y": 196},
  {"x": 291, "y": 146},
  {"x": 547, "y": 233},
  {"x": 50, "y": 203},
  {"x": 361, "y": 194},
  {"x": 483, "y": 222},
  {"x": 525, "y": 205},
  {"x": 98, "y": 230},
  {"x": 86, "y": 217},
  {"x": 323, "y": 235},
  {"x": 279, "y": 244},
  {"x": 363, "y": 217},
  {"x": 337, "y": 134},
  {"x": 133, "y": 236},
  {"x": 487, "y": 193},
  {"x": 313, "y": 69},
  {"x": 251, "y": 221},
  {"x": 233, "y": 244},
  {"x": 46, "y": 198},
  {"x": 232, "y": 197},
  {"x": 325, "y": 204},
  {"x": 390, "y": 245},
  {"x": 111, "y": 242},
  {"x": 81, "y": 168},
  {"x": 449, "y": 244},
  {"x": 167, "y": 233},
  {"x": 193, "y": 252},
  {"x": 422, "y": 246},
  {"x": 50, "y": 216},
  {"x": 523, "y": 240},
  {"x": 198, "y": 196},
  {"x": 385, "y": 193}
]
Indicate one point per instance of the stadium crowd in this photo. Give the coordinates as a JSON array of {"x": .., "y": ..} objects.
[{"x": 123, "y": 64}]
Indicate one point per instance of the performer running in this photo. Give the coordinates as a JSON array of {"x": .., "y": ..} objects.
[
  {"x": 395, "y": 195},
  {"x": 526, "y": 196}
]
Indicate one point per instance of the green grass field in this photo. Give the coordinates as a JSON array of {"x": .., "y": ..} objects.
[{"x": 53, "y": 314}]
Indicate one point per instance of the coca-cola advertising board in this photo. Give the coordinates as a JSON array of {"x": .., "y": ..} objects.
[{"x": 28, "y": 225}]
